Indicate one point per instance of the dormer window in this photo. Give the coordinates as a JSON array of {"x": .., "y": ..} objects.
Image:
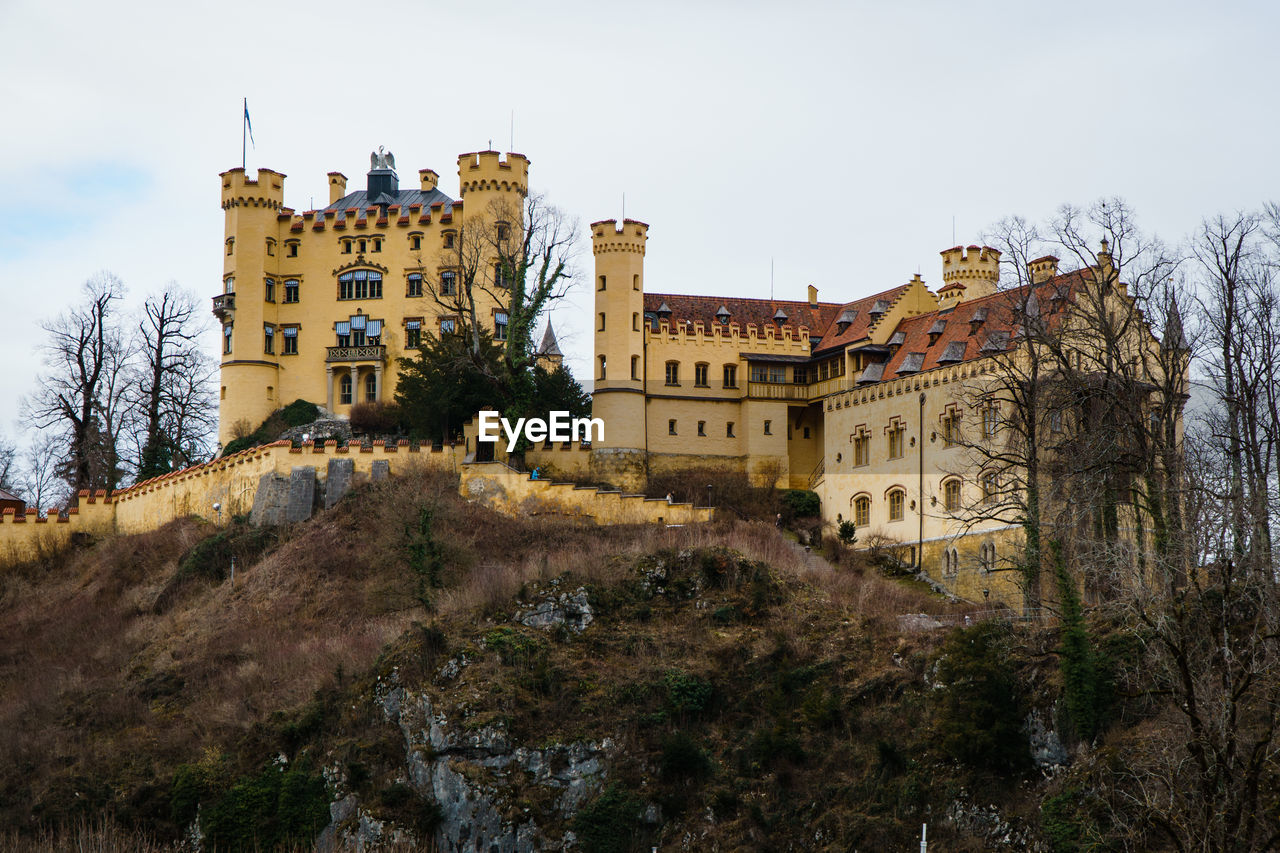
[
  {"x": 936, "y": 330},
  {"x": 975, "y": 322},
  {"x": 780, "y": 317},
  {"x": 880, "y": 307},
  {"x": 845, "y": 320},
  {"x": 723, "y": 315}
]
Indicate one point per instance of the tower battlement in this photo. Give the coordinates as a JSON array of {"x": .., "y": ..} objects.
[
  {"x": 238, "y": 190},
  {"x": 969, "y": 273},
  {"x": 488, "y": 170},
  {"x": 608, "y": 236}
]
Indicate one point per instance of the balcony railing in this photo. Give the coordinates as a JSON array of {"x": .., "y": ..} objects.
[
  {"x": 822, "y": 388},
  {"x": 224, "y": 303},
  {"x": 777, "y": 391},
  {"x": 365, "y": 353}
]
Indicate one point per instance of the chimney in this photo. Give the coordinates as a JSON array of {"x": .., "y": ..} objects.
[
  {"x": 429, "y": 179},
  {"x": 1043, "y": 269},
  {"x": 813, "y": 296},
  {"x": 337, "y": 186}
]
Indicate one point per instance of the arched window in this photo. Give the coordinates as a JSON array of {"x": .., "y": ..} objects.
[
  {"x": 951, "y": 494},
  {"x": 862, "y": 511},
  {"x": 344, "y": 390},
  {"x": 990, "y": 487},
  {"x": 602, "y": 367},
  {"x": 673, "y": 373},
  {"x": 635, "y": 367},
  {"x": 371, "y": 388},
  {"x": 897, "y": 502},
  {"x": 700, "y": 374}
]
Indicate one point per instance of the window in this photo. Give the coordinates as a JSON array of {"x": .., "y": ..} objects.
[
  {"x": 702, "y": 427},
  {"x": 412, "y": 334},
  {"x": 897, "y": 500},
  {"x": 503, "y": 275},
  {"x": 360, "y": 246},
  {"x": 231, "y": 245},
  {"x": 504, "y": 232},
  {"x": 602, "y": 283},
  {"x": 371, "y": 388},
  {"x": 951, "y": 495},
  {"x": 229, "y": 284},
  {"x": 671, "y": 427},
  {"x": 728, "y": 430},
  {"x": 862, "y": 511},
  {"x": 269, "y": 340},
  {"x": 415, "y": 242},
  {"x": 377, "y": 244},
  {"x": 775, "y": 373},
  {"x": 700, "y": 375},
  {"x": 800, "y": 375},
  {"x": 415, "y": 284},
  {"x": 1055, "y": 420},
  {"x": 448, "y": 281},
  {"x": 601, "y": 329},
  {"x": 731, "y": 376},
  {"x": 448, "y": 240},
  {"x": 344, "y": 390},
  {"x": 990, "y": 421},
  {"x": 346, "y": 247},
  {"x": 806, "y": 432},
  {"x": 673, "y": 373},
  {"x": 768, "y": 427},
  {"x": 448, "y": 326},
  {"x": 290, "y": 340},
  {"x": 951, "y": 429},
  {"x": 499, "y": 326},
  {"x": 987, "y": 557},
  {"x": 635, "y": 322},
  {"x": 635, "y": 282},
  {"x": 269, "y": 290},
  {"x": 226, "y": 339},
  {"x": 861, "y": 449},
  {"x": 291, "y": 249},
  {"x": 602, "y": 367},
  {"x": 990, "y": 487},
  {"x": 291, "y": 290},
  {"x": 897, "y": 438},
  {"x": 635, "y": 367},
  {"x": 950, "y": 562},
  {"x": 360, "y": 284},
  {"x": 271, "y": 247}
]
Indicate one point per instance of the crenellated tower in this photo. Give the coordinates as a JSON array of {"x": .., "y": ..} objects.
[
  {"x": 251, "y": 255},
  {"x": 619, "y": 331},
  {"x": 968, "y": 274}
]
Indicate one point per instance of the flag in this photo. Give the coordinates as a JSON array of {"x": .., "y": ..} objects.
[{"x": 248, "y": 124}]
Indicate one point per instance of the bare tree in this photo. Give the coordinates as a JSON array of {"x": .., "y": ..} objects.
[
  {"x": 41, "y": 483},
  {"x": 9, "y": 466},
  {"x": 169, "y": 397},
  {"x": 77, "y": 394}
]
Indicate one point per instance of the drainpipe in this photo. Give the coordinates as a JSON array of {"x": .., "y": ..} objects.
[{"x": 920, "y": 544}]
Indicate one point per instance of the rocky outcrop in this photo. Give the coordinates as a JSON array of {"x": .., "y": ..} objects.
[
  {"x": 570, "y": 609},
  {"x": 471, "y": 775}
]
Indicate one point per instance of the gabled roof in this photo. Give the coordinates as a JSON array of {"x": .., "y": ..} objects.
[
  {"x": 8, "y": 496},
  {"x": 742, "y": 311},
  {"x": 360, "y": 200},
  {"x": 973, "y": 328},
  {"x": 862, "y": 318}
]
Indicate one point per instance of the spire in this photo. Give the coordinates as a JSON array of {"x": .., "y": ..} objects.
[
  {"x": 1174, "y": 337},
  {"x": 549, "y": 345}
]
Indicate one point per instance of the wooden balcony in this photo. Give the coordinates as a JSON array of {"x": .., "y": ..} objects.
[
  {"x": 350, "y": 354},
  {"x": 778, "y": 391}
]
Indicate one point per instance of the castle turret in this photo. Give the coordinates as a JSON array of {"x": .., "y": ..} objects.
[
  {"x": 619, "y": 337},
  {"x": 968, "y": 274},
  {"x": 250, "y": 257}
]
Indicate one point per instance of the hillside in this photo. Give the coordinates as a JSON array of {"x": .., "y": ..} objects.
[{"x": 408, "y": 666}]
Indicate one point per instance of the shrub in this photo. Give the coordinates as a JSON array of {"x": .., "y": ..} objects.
[
  {"x": 686, "y": 693},
  {"x": 274, "y": 809},
  {"x": 299, "y": 412},
  {"x": 800, "y": 503},
  {"x": 730, "y": 490},
  {"x": 979, "y": 711},
  {"x": 847, "y": 532},
  {"x": 611, "y": 823},
  {"x": 375, "y": 418},
  {"x": 682, "y": 758}
]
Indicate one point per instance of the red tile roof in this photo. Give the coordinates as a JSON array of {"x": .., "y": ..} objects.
[
  {"x": 1001, "y": 311},
  {"x": 743, "y": 311},
  {"x": 857, "y": 330}
]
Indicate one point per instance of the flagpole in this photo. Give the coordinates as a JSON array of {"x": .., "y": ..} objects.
[{"x": 243, "y": 148}]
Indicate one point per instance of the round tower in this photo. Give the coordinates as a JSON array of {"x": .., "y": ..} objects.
[
  {"x": 250, "y": 374},
  {"x": 492, "y": 187},
  {"x": 618, "y": 368},
  {"x": 968, "y": 274}
]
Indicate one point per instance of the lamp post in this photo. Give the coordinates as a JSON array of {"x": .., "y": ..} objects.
[
  {"x": 709, "y": 504},
  {"x": 920, "y": 544}
]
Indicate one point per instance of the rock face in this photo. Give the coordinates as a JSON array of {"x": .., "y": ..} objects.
[
  {"x": 1047, "y": 750},
  {"x": 569, "y": 609},
  {"x": 320, "y": 431},
  {"x": 337, "y": 481},
  {"x": 469, "y": 774}
]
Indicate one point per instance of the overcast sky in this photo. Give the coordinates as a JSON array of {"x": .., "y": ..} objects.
[{"x": 839, "y": 141}]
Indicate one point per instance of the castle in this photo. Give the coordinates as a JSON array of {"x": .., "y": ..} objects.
[
  {"x": 864, "y": 402},
  {"x": 320, "y": 305}
]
